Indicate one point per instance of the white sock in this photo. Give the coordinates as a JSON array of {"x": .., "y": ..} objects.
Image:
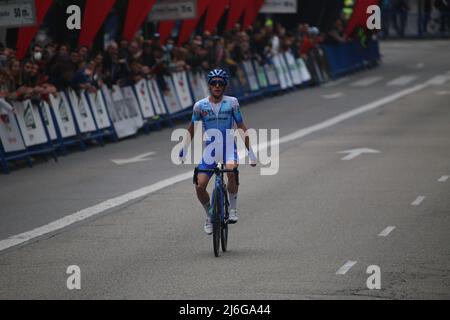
[
  {"x": 207, "y": 206},
  {"x": 233, "y": 199}
]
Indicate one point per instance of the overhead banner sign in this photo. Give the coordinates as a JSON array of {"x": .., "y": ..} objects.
[
  {"x": 17, "y": 13},
  {"x": 173, "y": 10},
  {"x": 279, "y": 6}
]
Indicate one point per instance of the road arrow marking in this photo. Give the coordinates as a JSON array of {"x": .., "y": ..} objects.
[
  {"x": 139, "y": 158},
  {"x": 347, "y": 266},
  {"x": 418, "y": 201},
  {"x": 386, "y": 231},
  {"x": 443, "y": 178},
  {"x": 352, "y": 154}
]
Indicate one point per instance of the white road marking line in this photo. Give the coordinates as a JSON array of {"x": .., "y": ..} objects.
[
  {"x": 333, "y": 95},
  {"x": 443, "y": 178},
  {"x": 443, "y": 93},
  {"x": 91, "y": 211},
  {"x": 347, "y": 266},
  {"x": 386, "y": 231},
  {"x": 120, "y": 200},
  {"x": 403, "y": 80},
  {"x": 420, "y": 65},
  {"x": 354, "y": 153},
  {"x": 438, "y": 80},
  {"x": 365, "y": 82},
  {"x": 418, "y": 201},
  {"x": 335, "y": 83},
  {"x": 139, "y": 158}
]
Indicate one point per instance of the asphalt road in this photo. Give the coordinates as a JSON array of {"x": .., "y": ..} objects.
[{"x": 309, "y": 232}]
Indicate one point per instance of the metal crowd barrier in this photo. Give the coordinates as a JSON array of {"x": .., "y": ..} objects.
[{"x": 69, "y": 118}]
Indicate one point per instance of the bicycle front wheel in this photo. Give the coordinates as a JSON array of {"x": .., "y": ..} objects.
[
  {"x": 224, "y": 225},
  {"x": 216, "y": 224}
]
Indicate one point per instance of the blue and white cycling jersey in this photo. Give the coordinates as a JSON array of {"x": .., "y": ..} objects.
[{"x": 228, "y": 115}]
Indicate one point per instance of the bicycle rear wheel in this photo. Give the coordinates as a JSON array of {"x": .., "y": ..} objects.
[{"x": 216, "y": 224}]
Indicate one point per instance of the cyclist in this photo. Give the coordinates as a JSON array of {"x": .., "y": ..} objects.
[{"x": 218, "y": 112}]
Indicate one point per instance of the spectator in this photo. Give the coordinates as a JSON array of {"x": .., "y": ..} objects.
[
  {"x": 444, "y": 8},
  {"x": 401, "y": 8}
]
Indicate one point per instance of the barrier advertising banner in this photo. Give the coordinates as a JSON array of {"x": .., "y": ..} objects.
[
  {"x": 260, "y": 74},
  {"x": 198, "y": 85},
  {"x": 48, "y": 120},
  {"x": 280, "y": 72},
  {"x": 251, "y": 75},
  {"x": 30, "y": 123},
  {"x": 170, "y": 96},
  {"x": 286, "y": 72},
  {"x": 306, "y": 76},
  {"x": 145, "y": 102},
  {"x": 182, "y": 88},
  {"x": 123, "y": 125},
  {"x": 155, "y": 95},
  {"x": 293, "y": 68},
  {"x": 99, "y": 109},
  {"x": 271, "y": 74},
  {"x": 9, "y": 130},
  {"x": 63, "y": 115},
  {"x": 83, "y": 114},
  {"x": 132, "y": 106}
]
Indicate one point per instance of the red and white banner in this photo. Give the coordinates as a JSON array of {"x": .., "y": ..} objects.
[
  {"x": 188, "y": 26},
  {"x": 165, "y": 30},
  {"x": 214, "y": 14},
  {"x": 235, "y": 12},
  {"x": 360, "y": 15},
  {"x": 94, "y": 15},
  {"x": 26, "y": 34},
  {"x": 251, "y": 12},
  {"x": 136, "y": 15}
]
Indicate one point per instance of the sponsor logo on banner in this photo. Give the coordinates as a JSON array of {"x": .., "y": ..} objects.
[
  {"x": 279, "y": 6},
  {"x": 173, "y": 10},
  {"x": 17, "y": 13}
]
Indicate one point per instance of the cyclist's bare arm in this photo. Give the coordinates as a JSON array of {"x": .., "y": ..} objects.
[{"x": 244, "y": 129}]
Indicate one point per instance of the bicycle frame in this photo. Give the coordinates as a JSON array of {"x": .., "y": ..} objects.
[{"x": 219, "y": 201}]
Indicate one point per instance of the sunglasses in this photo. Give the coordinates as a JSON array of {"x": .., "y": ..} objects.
[{"x": 216, "y": 83}]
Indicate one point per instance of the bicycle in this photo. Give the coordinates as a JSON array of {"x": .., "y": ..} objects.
[{"x": 220, "y": 204}]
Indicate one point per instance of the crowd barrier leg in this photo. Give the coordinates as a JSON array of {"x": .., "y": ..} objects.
[{"x": 4, "y": 162}]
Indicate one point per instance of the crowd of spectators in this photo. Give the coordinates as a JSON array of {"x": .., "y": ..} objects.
[{"x": 51, "y": 67}]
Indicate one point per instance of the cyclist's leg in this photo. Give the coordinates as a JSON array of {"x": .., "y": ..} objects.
[
  {"x": 202, "y": 194},
  {"x": 231, "y": 162},
  {"x": 203, "y": 180},
  {"x": 231, "y": 182}
]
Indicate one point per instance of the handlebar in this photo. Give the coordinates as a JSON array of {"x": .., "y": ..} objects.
[{"x": 216, "y": 171}]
